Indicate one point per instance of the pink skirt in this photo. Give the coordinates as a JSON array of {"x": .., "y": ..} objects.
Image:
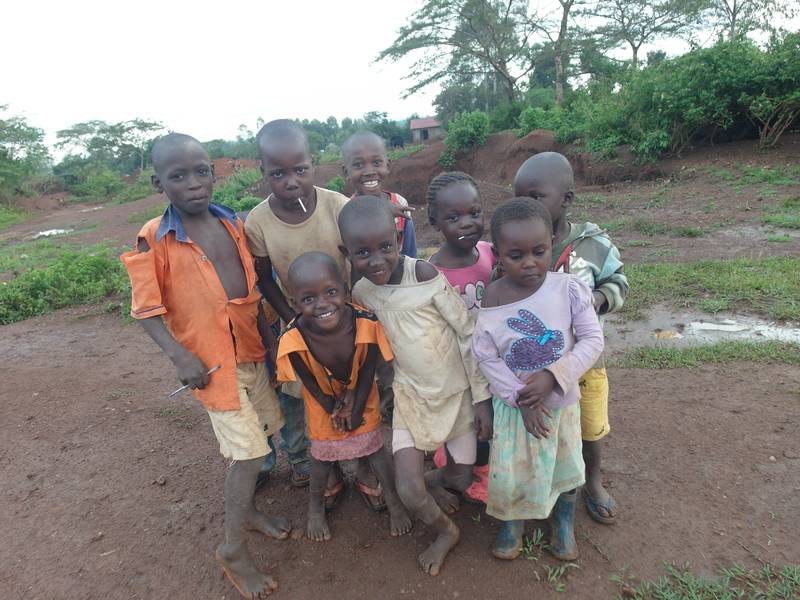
[{"x": 349, "y": 448}]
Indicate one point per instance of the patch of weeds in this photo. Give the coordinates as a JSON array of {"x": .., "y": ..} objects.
[
  {"x": 555, "y": 575},
  {"x": 768, "y": 286},
  {"x": 661, "y": 357},
  {"x": 710, "y": 207},
  {"x": 591, "y": 199},
  {"x": 615, "y": 225},
  {"x": 638, "y": 243},
  {"x": 11, "y": 216},
  {"x": 778, "y": 238},
  {"x": 649, "y": 227},
  {"x": 786, "y": 215},
  {"x": 398, "y": 153},
  {"x": 688, "y": 231},
  {"x": 654, "y": 255},
  {"x": 582, "y": 216},
  {"x": 177, "y": 416},
  {"x": 754, "y": 174},
  {"x": 73, "y": 278},
  {"x": 141, "y": 188},
  {"x": 768, "y": 192},
  {"x": 533, "y": 546},
  {"x": 679, "y": 583},
  {"x": 140, "y": 218}
]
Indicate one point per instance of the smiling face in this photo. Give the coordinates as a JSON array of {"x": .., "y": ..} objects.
[
  {"x": 286, "y": 164},
  {"x": 459, "y": 215},
  {"x": 365, "y": 164},
  {"x": 184, "y": 173},
  {"x": 371, "y": 245},
  {"x": 524, "y": 250},
  {"x": 319, "y": 294}
]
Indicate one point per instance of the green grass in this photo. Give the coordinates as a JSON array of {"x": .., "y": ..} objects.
[
  {"x": 236, "y": 191},
  {"x": 786, "y": 215},
  {"x": 71, "y": 279},
  {"x": 652, "y": 228},
  {"x": 768, "y": 286},
  {"x": 736, "y": 582},
  {"x": 660, "y": 357},
  {"x": 638, "y": 243},
  {"x": 750, "y": 174},
  {"x": 142, "y": 217},
  {"x": 779, "y": 238},
  {"x": 688, "y": 231},
  {"x": 11, "y": 216},
  {"x": 141, "y": 188},
  {"x": 398, "y": 153},
  {"x": 336, "y": 184}
]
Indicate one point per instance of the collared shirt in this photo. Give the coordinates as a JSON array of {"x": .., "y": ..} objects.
[{"x": 176, "y": 280}]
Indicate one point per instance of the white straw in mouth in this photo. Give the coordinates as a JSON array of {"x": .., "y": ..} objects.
[{"x": 303, "y": 206}]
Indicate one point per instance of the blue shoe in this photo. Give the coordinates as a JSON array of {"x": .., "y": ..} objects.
[
  {"x": 508, "y": 545},
  {"x": 562, "y": 527}
]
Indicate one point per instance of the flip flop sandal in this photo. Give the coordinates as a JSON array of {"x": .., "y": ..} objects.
[
  {"x": 332, "y": 495},
  {"x": 300, "y": 479},
  {"x": 592, "y": 505},
  {"x": 373, "y": 496}
]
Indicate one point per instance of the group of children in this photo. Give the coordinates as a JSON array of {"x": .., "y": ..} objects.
[{"x": 480, "y": 354}]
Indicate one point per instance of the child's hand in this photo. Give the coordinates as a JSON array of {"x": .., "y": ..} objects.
[
  {"x": 537, "y": 388},
  {"x": 484, "y": 417},
  {"x": 401, "y": 211},
  {"x": 600, "y": 301},
  {"x": 191, "y": 370},
  {"x": 343, "y": 411},
  {"x": 534, "y": 421}
]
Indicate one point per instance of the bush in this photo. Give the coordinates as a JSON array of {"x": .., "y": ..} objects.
[
  {"x": 505, "y": 116},
  {"x": 99, "y": 184},
  {"x": 331, "y": 153},
  {"x": 535, "y": 117},
  {"x": 138, "y": 189},
  {"x": 75, "y": 278},
  {"x": 336, "y": 184},
  {"x": 235, "y": 191},
  {"x": 465, "y": 132}
]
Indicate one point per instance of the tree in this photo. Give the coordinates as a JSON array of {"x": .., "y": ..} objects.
[
  {"x": 737, "y": 18},
  {"x": 119, "y": 146},
  {"x": 466, "y": 38},
  {"x": 558, "y": 31},
  {"x": 637, "y": 22},
  {"x": 22, "y": 152}
]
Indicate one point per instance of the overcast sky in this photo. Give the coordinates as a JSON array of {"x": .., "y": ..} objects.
[{"x": 202, "y": 67}]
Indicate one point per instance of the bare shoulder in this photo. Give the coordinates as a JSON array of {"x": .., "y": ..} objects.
[
  {"x": 425, "y": 271},
  {"x": 491, "y": 295}
]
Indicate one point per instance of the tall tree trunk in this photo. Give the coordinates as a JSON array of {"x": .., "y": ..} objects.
[
  {"x": 635, "y": 58},
  {"x": 559, "y": 47},
  {"x": 559, "y": 80}
]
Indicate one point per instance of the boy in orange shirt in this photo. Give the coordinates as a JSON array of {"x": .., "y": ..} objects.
[{"x": 194, "y": 292}]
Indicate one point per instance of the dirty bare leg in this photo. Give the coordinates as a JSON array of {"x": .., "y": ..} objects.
[
  {"x": 233, "y": 555},
  {"x": 409, "y": 465},
  {"x": 399, "y": 521}
]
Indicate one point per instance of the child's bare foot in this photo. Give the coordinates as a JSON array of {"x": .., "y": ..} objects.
[
  {"x": 431, "y": 560},
  {"x": 238, "y": 565},
  {"x": 447, "y": 501},
  {"x": 274, "y": 527},
  {"x": 317, "y": 528},
  {"x": 399, "y": 521}
]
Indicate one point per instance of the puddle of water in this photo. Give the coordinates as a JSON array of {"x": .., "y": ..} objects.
[
  {"x": 663, "y": 327},
  {"x": 51, "y": 233}
]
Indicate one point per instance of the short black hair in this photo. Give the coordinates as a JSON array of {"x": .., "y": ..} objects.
[
  {"x": 167, "y": 143},
  {"x": 362, "y": 208},
  {"x": 361, "y": 135},
  {"x": 440, "y": 182},
  {"x": 314, "y": 258},
  {"x": 520, "y": 208},
  {"x": 280, "y": 128}
]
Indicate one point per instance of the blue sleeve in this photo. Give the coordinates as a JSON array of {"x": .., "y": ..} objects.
[{"x": 409, "y": 239}]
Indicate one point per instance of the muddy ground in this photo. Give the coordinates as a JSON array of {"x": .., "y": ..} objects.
[{"x": 111, "y": 491}]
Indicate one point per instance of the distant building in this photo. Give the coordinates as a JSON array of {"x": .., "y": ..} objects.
[{"x": 426, "y": 129}]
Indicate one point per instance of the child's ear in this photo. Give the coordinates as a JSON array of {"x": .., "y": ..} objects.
[
  {"x": 495, "y": 253},
  {"x": 261, "y": 168},
  {"x": 343, "y": 250},
  {"x": 156, "y": 183},
  {"x": 566, "y": 201},
  {"x": 344, "y": 172},
  {"x": 213, "y": 174}
]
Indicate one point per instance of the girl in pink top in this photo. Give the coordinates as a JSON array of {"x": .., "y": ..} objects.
[
  {"x": 536, "y": 334},
  {"x": 455, "y": 210}
]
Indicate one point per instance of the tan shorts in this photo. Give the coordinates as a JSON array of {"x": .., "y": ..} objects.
[
  {"x": 594, "y": 405},
  {"x": 242, "y": 434},
  {"x": 463, "y": 448}
]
